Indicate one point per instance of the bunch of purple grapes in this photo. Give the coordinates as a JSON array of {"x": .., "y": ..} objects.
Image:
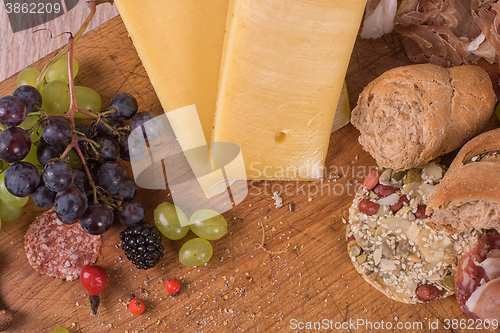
[{"x": 92, "y": 201}]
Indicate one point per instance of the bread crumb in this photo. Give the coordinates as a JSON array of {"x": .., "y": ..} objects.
[{"x": 278, "y": 200}]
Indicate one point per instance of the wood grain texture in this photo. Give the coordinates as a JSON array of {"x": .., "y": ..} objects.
[
  {"x": 303, "y": 273},
  {"x": 29, "y": 47}
]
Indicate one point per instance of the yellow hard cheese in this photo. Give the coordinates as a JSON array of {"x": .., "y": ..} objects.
[
  {"x": 282, "y": 72},
  {"x": 180, "y": 45}
]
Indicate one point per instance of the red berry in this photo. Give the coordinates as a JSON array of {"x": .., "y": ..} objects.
[
  {"x": 173, "y": 286},
  {"x": 93, "y": 278},
  {"x": 136, "y": 306}
]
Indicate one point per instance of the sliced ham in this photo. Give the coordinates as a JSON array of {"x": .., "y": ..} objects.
[{"x": 485, "y": 301}]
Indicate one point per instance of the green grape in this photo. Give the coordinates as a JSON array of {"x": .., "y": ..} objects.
[
  {"x": 168, "y": 219},
  {"x": 195, "y": 252},
  {"x": 0, "y": 223},
  {"x": 9, "y": 199},
  {"x": 8, "y": 213},
  {"x": 28, "y": 124},
  {"x": 208, "y": 224},
  {"x": 59, "y": 70},
  {"x": 27, "y": 76},
  {"x": 87, "y": 99},
  {"x": 73, "y": 159},
  {"x": 31, "y": 158},
  {"x": 44, "y": 84},
  {"x": 55, "y": 97},
  {"x": 60, "y": 330}
]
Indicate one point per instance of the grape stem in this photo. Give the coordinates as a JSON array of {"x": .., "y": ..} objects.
[
  {"x": 73, "y": 109},
  {"x": 92, "y": 5}
]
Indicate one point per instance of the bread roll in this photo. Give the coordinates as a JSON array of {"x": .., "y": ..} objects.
[
  {"x": 410, "y": 115},
  {"x": 469, "y": 194}
]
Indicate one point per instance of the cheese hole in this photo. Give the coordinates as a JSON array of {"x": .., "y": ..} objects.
[{"x": 280, "y": 137}]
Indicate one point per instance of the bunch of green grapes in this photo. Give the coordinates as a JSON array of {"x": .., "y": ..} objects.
[
  {"x": 207, "y": 224},
  {"x": 55, "y": 89}
]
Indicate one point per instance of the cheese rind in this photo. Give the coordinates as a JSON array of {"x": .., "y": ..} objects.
[{"x": 282, "y": 72}]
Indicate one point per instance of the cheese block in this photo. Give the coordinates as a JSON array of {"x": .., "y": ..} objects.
[
  {"x": 180, "y": 45},
  {"x": 343, "y": 112},
  {"x": 282, "y": 72}
]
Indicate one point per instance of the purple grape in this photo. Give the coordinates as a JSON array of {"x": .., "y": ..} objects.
[
  {"x": 125, "y": 106},
  {"x": 43, "y": 197},
  {"x": 71, "y": 204},
  {"x": 131, "y": 149},
  {"x": 21, "y": 179},
  {"x": 65, "y": 221},
  {"x": 132, "y": 213},
  {"x": 87, "y": 131},
  {"x": 30, "y": 96},
  {"x": 108, "y": 148},
  {"x": 127, "y": 190},
  {"x": 46, "y": 152},
  {"x": 57, "y": 131},
  {"x": 12, "y": 111},
  {"x": 97, "y": 219},
  {"x": 15, "y": 144},
  {"x": 110, "y": 176},
  {"x": 58, "y": 175},
  {"x": 94, "y": 166},
  {"x": 151, "y": 129},
  {"x": 102, "y": 130},
  {"x": 81, "y": 180}
]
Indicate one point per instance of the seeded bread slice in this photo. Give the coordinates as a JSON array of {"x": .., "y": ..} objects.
[
  {"x": 412, "y": 114},
  {"x": 469, "y": 194}
]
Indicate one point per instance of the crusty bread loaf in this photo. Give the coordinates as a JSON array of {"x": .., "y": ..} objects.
[
  {"x": 469, "y": 194},
  {"x": 410, "y": 115}
]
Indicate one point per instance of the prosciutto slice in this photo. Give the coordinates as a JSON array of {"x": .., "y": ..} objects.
[
  {"x": 471, "y": 277},
  {"x": 442, "y": 32},
  {"x": 485, "y": 301},
  {"x": 491, "y": 267}
]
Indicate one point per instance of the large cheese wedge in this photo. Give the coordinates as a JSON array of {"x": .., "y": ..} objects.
[
  {"x": 282, "y": 72},
  {"x": 180, "y": 45}
]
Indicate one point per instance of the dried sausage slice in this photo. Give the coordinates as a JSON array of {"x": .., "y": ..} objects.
[{"x": 57, "y": 249}]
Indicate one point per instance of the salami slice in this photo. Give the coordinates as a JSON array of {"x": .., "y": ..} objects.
[
  {"x": 470, "y": 275},
  {"x": 57, "y": 249}
]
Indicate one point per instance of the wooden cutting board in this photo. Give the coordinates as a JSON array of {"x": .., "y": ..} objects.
[{"x": 302, "y": 274}]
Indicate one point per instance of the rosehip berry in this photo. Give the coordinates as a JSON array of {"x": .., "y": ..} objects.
[
  {"x": 94, "y": 279},
  {"x": 173, "y": 286},
  {"x": 136, "y": 306}
]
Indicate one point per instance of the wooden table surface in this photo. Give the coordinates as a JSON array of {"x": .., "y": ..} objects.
[
  {"x": 303, "y": 273},
  {"x": 30, "y": 46}
]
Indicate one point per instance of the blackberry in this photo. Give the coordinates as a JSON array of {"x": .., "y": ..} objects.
[{"x": 142, "y": 245}]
